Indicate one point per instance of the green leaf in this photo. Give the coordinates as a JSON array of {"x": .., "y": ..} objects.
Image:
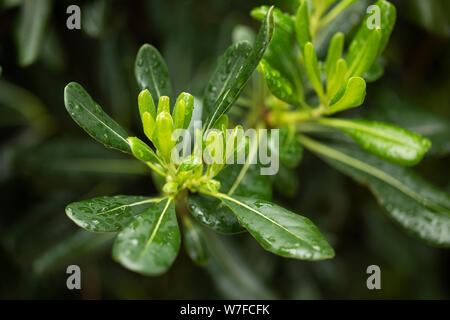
[
  {"x": 146, "y": 104},
  {"x": 302, "y": 25},
  {"x": 387, "y": 22},
  {"x": 151, "y": 72},
  {"x": 190, "y": 163},
  {"x": 394, "y": 109},
  {"x": 90, "y": 116},
  {"x": 212, "y": 213},
  {"x": 235, "y": 80},
  {"x": 335, "y": 84},
  {"x": 163, "y": 132},
  {"x": 108, "y": 214},
  {"x": 418, "y": 207},
  {"x": 312, "y": 69},
  {"x": 334, "y": 54},
  {"x": 194, "y": 242},
  {"x": 376, "y": 71},
  {"x": 353, "y": 96},
  {"x": 31, "y": 28},
  {"x": 182, "y": 112},
  {"x": 280, "y": 231},
  {"x": 282, "y": 55},
  {"x": 150, "y": 242},
  {"x": 141, "y": 150},
  {"x": 387, "y": 141},
  {"x": 282, "y": 20},
  {"x": 223, "y": 77},
  {"x": 280, "y": 87},
  {"x": 366, "y": 55}
]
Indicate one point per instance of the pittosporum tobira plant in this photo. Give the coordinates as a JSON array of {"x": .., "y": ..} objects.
[
  {"x": 308, "y": 92},
  {"x": 227, "y": 198}
]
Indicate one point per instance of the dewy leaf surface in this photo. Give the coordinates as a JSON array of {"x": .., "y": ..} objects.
[
  {"x": 232, "y": 90},
  {"x": 108, "y": 214},
  {"x": 150, "y": 242},
  {"x": 417, "y": 206},
  {"x": 151, "y": 72},
  {"x": 280, "y": 231},
  {"x": 90, "y": 116}
]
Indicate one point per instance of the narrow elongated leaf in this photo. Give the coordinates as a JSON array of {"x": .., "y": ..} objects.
[
  {"x": 31, "y": 28},
  {"x": 354, "y": 94},
  {"x": 282, "y": 55},
  {"x": 230, "y": 92},
  {"x": 90, "y": 116},
  {"x": 212, "y": 213},
  {"x": 387, "y": 22},
  {"x": 280, "y": 87},
  {"x": 387, "y": 141},
  {"x": 108, "y": 214},
  {"x": 282, "y": 20},
  {"x": 335, "y": 84},
  {"x": 280, "y": 231},
  {"x": 194, "y": 242},
  {"x": 418, "y": 207},
  {"x": 302, "y": 25},
  {"x": 366, "y": 55},
  {"x": 150, "y": 242},
  {"x": 151, "y": 72},
  {"x": 334, "y": 54},
  {"x": 312, "y": 69}
]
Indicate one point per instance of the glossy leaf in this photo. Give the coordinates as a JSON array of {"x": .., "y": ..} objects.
[
  {"x": 387, "y": 22},
  {"x": 366, "y": 55},
  {"x": 280, "y": 231},
  {"x": 302, "y": 25},
  {"x": 90, "y": 116},
  {"x": 282, "y": 55},
  {"x": 353, "y": 96},
  {"x": 387, "y": 141},
  {"x": 141, "y": 150},
  {"x": 146, "y": 104},
  {"x": 397, "y": 110},
  {"x": 108, "y": 214},
  {"x": 280, "y": 87},
  {"x": 150, "y": 242},
  {"x": 182, "y": 112},
  {"x": 334, "y": 54},
  {"x": 151, "y": 72},
  {"x": 194, "y": 242},
  {"x": 231, "y": 90},
  {"x": 417, "y": 206},
  {"x": 312, "y": 69},
  {"x": 31, "y": 28},
  {"x": 335, "y": 83},
  {"x": 163, "y": 133},
  {"x": 212, "y": 213}
]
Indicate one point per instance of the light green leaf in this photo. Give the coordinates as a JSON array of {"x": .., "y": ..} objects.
[
  {"x": 353, "y": 96},
  {"x": 387, "y": 22},
  {"x": 312, "y": 69},
  {"x": 335, "y": 84},
  {"x": 282, "y": 20},
  {"x": 387, "y": 141},
  {"x": 302, "y": 25},
  {"x": 232, "y": 87},
  {"x": 182, "y": 112},
  {"x": 418, "y": 207},
  {"x": 108, "y": 214},
  {"x": 194, "y": 241},
  {"x": 280, "y": 87},
  {"x": 90, "y": 116},
  {"x": 141, "y": 150},
  {"x": 33, "y": 20},
  {"x": 278, "y": 230},
  {"x": 150, "y": 242},
  {"x": 366, "y": 55},
  {"x": 151, "y": 72},
  {"x": 334, "y": 54}
]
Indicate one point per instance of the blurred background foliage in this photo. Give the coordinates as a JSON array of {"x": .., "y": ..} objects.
[{"x": 46, "y": 161}]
